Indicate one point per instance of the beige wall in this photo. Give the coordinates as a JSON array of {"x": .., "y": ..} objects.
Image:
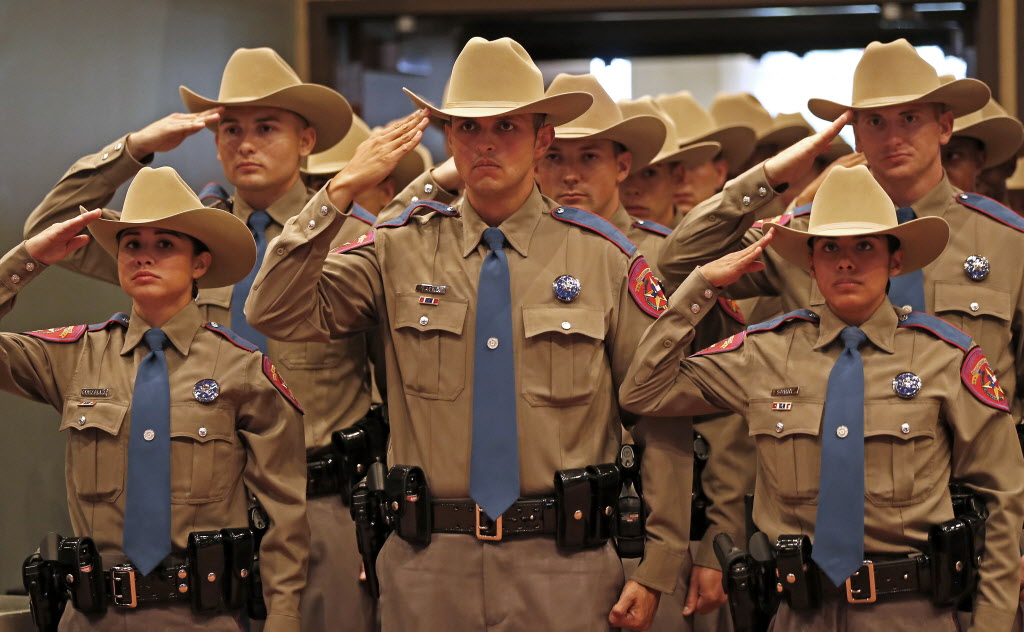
[{"x": 76, "y": 75}]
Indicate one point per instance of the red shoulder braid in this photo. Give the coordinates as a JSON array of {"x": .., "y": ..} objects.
[
  {"x": 275, "y": 378},
  {"x": 364, "y": 240}
]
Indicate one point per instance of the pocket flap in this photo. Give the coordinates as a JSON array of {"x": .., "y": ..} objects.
[
  {"x": 217, "y": 296},
  {"x": 803, "y": 418},
  {"x": 971, "y": 299},
  {"x": 448, "y": 314},
  {"x": 202, "y": 424},
  {"x": 541, "y": 319},
  {"x": 104, "y": 415},
  {"x": 905, "y": 420}
]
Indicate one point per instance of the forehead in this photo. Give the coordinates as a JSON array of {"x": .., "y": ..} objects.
[
  {"x": 902, "y": 109},
  {"x": 572, "y": 145},
  {"x": 847, "y": 239},
  {"x": 487, "y": 121},
  {"x": 149, "y": 231},
  {"x": 257, "y": 113}
]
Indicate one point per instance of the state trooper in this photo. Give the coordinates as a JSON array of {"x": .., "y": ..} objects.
[
  {"x": 265, "y": 120},
  {"x": 863, "y": 414},
  {"x": 172, "y": 422},
  {"x": 508, "y": 321}
]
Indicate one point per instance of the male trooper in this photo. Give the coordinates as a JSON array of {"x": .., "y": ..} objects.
[
  {"x": 265, "y": 121},
  {"x": 506, "y": 320}
]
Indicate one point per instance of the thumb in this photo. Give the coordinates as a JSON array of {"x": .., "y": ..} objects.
[
  {"x": 691, "y": 598},
  {"x": 77, "y": 242},
  {"x": 619, "y": 611}
]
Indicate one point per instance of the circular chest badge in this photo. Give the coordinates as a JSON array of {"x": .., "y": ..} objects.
[
  {"x": 906, "y": 385},
  {"x": 976, "y": 267},
  {"x": 566, "y": 288},
  {"x": 206, "y": 391}
]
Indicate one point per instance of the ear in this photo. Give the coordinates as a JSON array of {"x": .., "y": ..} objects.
[
  {"x": 721, "y": 173},
  {"x": 545, "y": 136},
  {"x": 623, "y": 163},
  {"x": 448, "y": 137},
  {"x": 201, "y": 263},
  {"x": 810, "y": 266},
  {"x": 945, "y": 126},
  {"x": 216, "y": 142},
  {"x": 895, "y": 263},
  {"x": 307, "y": 140}
]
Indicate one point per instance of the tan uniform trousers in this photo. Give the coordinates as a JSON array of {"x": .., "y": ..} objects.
[
  {"x": 460, "y": 584},
  {"x": 177, "y": 616},
  {"x": 892, "y": 614},
  {"x": 334, "y": 598}
]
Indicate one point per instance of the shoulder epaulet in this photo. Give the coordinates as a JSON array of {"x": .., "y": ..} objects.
[
  {"x": 363, "y": 240},
  {"x": 995, "y": 210},
  {"x": 119, "y": 318},
  {"x": 232, "y": 337},
  {"x": 73, "y": 333},
  {"x": 652, "y": 227},
  {"x": 781, "y": 220},
  {"x": 732, "y": 309},
  {"x": 595, "y": 223},
  {"x": 282, "y": 387},
  {"x": 432, "y": 205},
  {"x": 778, "y": 321},
  {"x": 938, "y": 328},
  {"x": 214, "y": 192},
  {"x": 731, "y": 343},
  {"x": 363, "y": 215},
  {"x": 801, "y": 210}
]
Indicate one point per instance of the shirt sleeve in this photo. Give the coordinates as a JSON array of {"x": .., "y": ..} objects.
[{"x": 424, "y": 187}]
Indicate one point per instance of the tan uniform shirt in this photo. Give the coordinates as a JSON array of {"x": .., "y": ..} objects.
[
  {"x": 990, "y": 310},
  {"x": 569, "y": 357},
  {"x": 912, "y": 447},
  {"x": 248, "y": 438},
  {"x": 331, "y": 379}
]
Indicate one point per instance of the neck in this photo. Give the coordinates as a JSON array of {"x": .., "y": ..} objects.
[
  {"x": 856, "y": 316},
  {"x": 494, "y": 208},
  {"x": 608, "y": 209},
  {"x": 907, "y": 191},
  {"x": 160, "y": 315},
  {"x": 261, "y": 199},
  {"x": 664, "y": 216}
]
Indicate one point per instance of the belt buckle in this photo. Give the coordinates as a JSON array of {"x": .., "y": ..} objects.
[
  {"x": 123, "y": 580},
  {"x": 853, "y": 596},
  {"x": 481, "y": 534}
]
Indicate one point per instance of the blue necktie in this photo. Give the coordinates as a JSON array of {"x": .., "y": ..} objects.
[
  {"x": 147, "y": 507},
  {"x": 907, "y": 289},
  {"x": 839, "y": 526},
  {"x": 258, "y": 223},
  {"x": 494, "y": 464}
]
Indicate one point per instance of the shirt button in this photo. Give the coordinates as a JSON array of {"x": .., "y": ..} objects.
[
  {"x": 118, "y": 147},
  {"x": 905, "y": 428},
  {"x": 424, "y": 320},
  {"x": 762, "y": 191},
  {"x": 566, "y": 325},
  {"x": 695, "y": 308},
  {"x": 149, "y": 435},
  {"x": 415, "y": 199},
  {"x": 974, "y": 306},
  {"x": 907, "y": 309},
  {"x": 842, "y": 431},
  {"x": 202, "y": 432},
  {"x": 963, "y": 196},
  {"x": 708, "y": 293},
  {"x": 323, "y": 211},
  {"x": 492, "y": 343},
  {"x": 15, "y": 278},
  {"x": 279, "y": 251},
  {"x": 746, "y": 200},
  {"x": 667, "y": 344},
  {"x": 428, "y": 188},
  {"x": 215, "y": 325},
  {"x": 105, "y": 155},
  {"x": 779, "y": 426},
  {"x": 640, "y": 221},
  {"x": 712, "y": 218},
  {"x": 81, "y": 420},
  {"x": 311, "y": 225},
  {"x": 559, "y": 210},
  {"x": 30, "y": 266}
]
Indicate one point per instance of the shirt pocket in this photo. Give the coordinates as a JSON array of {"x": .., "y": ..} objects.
[
  {"x": 97, "y": 455},
  {"x": 904, "y": 457},
  {"x": 788, "y": 447},
  {"x": 963, "y": 303},
  {"x": 309, "y": 355},
  {"x": 430, "y": 346},
  {"x": 562, "y": 353},
  {"x": 207, "y": 457}
]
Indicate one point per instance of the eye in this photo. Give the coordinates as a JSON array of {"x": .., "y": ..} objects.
[
  {"x": 266, "y": 128},
  {"x": 130, "y": 244},
  {"x": 590, "y": 156},
  {"x": 551, "y": 157},
  {"x": 649, "y": 172},
  {"x": 829, "y": 246},
  {"x": 865, "y": 246},
  {"x": 164, "y": 243},
  {"x": 467, "y": 126},
  {"x": 505, "y": 125},
  {"x": 230, "y": 129},
  {"x": 910, "y": 118}
]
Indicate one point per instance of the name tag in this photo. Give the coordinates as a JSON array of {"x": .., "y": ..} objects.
[
  {"x": 787, "y": 391},
  {"x": 95, "y": 392}
]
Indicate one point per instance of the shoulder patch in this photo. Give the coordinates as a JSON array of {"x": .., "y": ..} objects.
[
  {"x": 232, "y": 337},
  {"x": 119, "y": 318},
  {"x": 363, "y": 240},
  {"x": 213, "y": 193},
  {"x": 781, "y": 220},
  {"x": 652, "y": 227},
  {"x": 71, "y": 333},
  {"x": 995, "y": 210},
  {"x": 775, "y": 323},
  {"x": 275, "y": 378},
  {"x": 938, "y": 328},
  {"x": 722, "y": 346},
  {"x": 980, "y": 380},
  {"x": 363, "y": 215},
  {"x": 646, "y": 289},
  {"x": 594, "y": 223},
  {"x": 403, "y": 219},
  {"x": 732, "y": 309},
  {"x": 801, "y": 210}
]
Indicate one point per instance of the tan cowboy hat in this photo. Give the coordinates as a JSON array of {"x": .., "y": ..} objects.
[
  {"x": 850, "y": 203},
  {"x": 258, "y": 76},
  {"x": 695, "y": 125},
  {"x": 1000, "y": 133},
  {"x": 334, "y": 159},
  {"x": 894, "y": 74},
  {"x": 743, "y": 108},
  {"x": 499, "y": 77},
  {"x": 159, "y": 198},
  {"x": 642, "y": 135},
  {"x": 692, "y": 155}
]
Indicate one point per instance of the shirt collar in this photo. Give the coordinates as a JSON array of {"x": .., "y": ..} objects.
[
  {"x": 180, "y": 329},
  {"x": 621, "y": 219},
  {"x": 880, "y": 328},
  {"x": 518, "y": 228},
  {"x": 935, "y": 202},
  {"x": 283, "y": 207}
]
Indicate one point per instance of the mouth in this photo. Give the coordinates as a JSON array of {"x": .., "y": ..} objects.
[
  {"x": 571, "y": 197},
  {"x": 846, "y": 284},
  {"x": 486, "y": 164},
  {"x": 635, "y": 208},
  {"x": 249, "y": 165},
  {"x": 144, "y": 274}
]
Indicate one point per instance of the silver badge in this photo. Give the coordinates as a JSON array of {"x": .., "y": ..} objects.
[
  {"x": 206, "y": 391},
  {"x": 906, "y": 385},
  {"x": 566, "y": 288},
  {"x": 976, "y": 267}
]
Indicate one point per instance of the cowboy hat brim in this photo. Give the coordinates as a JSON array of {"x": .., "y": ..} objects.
[
  {"x": 1002, "y": 137},
  {"x": 737, "y": 141},
  {"x": 785, "y": 136},
  {"x": 963, "y": 96},
  {"x": 558, "y": 109},
  {"x": 232, "y": 248},
  {"x": 921, "y": 240},
  {"x": 326, "y": 110},
  {"x": 692, "y": 155},
  {"x": 642, "y": 135}
]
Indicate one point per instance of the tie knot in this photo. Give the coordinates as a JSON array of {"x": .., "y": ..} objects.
[
  {"x": 155, "y": 338},
  {"x": 852, "y": 337},
  {"x": 904, "y": 214},
  {"x": 259, "y": 220},
  {"x": 495, "y": 238}
]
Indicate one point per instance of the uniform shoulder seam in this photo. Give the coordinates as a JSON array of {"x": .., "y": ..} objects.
[{"x": 596, "y": 224}]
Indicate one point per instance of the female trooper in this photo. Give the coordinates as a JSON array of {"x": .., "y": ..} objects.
[
  {"x": 172, "y": 424},
  {"x": 862, "y": 414}
]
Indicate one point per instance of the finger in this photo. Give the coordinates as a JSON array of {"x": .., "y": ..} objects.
[
  {"x": 73, "y": 226},
  {"x": 691, "y": 597},
  {"x": 77, "y": 242}
]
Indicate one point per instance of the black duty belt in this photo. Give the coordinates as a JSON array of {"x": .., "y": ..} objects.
[
  {"x": 323, "y": 476},
  {"x": 883, "y": 577},
  {"x": 529, "y": 516},
  {"x": 128, "y": 588}
]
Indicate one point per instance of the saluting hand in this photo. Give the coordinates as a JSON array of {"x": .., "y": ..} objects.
[
  {"x": 849, "y": 160},
  {"x": 728, "y": 269},
  {"x": 635, "y": 608},
  {"x": 61, "y": 239},
  {"x": 376, "y": 157},
  {"x": 169, "y": 132},
  {"x": 793, "y": 162}
]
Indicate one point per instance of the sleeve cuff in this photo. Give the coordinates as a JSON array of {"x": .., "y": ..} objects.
[
  {"x": 695, "y": 297},
  {"x": 660, "y": 568},
  {"x": 704, "y": 552},
  {"x": 18, "y": 268}
]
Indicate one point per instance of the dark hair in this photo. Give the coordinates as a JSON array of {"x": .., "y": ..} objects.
[
  {"x": 618, "y": 148},
  {"x": 538, "y": 121},
  {"x": 891, "y": 241}
]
